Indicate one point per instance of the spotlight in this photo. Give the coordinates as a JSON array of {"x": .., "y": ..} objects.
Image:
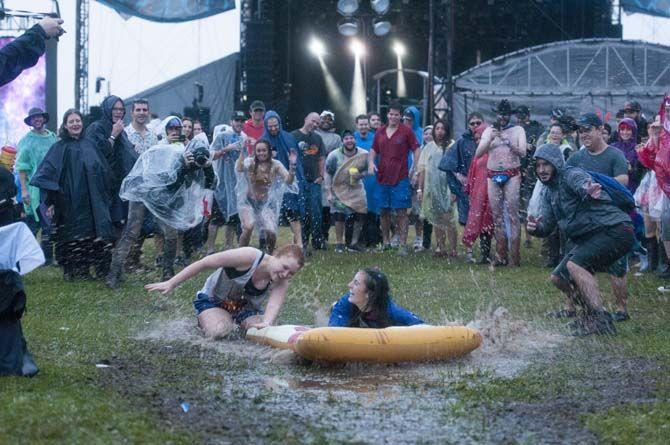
[
  {"x": 381, "y": 7},
  {"x": 381, "y": 27},
  {"x": 347, "y": 7},
  {"x": 357, "y": 48},
  {"x": 317, "y": 48},
  {"x": 348, "y": 27},
  {"x": 399, "y": 49}
]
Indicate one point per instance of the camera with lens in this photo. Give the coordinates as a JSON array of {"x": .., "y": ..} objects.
[{"x": 200, "y": 156}]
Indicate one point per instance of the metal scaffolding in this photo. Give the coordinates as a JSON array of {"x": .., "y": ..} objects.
[{"x": 81, "y": 54}]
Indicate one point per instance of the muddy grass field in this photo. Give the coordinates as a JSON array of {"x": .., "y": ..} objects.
[{"x": 128, "y": 367}]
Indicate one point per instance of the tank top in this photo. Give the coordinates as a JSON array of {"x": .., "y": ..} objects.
[{"x": 230, "y": 286}]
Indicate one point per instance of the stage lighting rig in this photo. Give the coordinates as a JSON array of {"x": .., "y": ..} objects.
[{"x": 317, "y": 47}]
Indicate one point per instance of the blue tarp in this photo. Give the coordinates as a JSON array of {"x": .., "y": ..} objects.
[
  {"x": 660, "y": 8},
  {"x": 170, "y": 10}
]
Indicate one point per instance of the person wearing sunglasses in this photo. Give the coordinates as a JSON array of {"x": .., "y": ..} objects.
[{"x": 505, "y": 144}]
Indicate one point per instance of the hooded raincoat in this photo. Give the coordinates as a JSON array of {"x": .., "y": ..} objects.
[
  {"x": 656, "y": 155},
  {"x": 120, "y": 156},
  {"x": 635, "y": 168},
  {"x": 73, "y": 176},
  {"x": 171, "y": 190},
  {"x": 567, "y": 204},
  {"x": 31, "y": 151},
  {"x": 225, "y": 194},
  {"x": 281, "y": 145}
]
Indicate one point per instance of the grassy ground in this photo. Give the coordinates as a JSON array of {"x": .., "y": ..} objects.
[{"x": 588, "y": 390}]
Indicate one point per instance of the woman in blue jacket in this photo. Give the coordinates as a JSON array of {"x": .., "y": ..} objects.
[{"x": 368, "y": 304}]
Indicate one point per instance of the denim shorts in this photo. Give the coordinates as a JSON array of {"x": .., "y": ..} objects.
[
  {"x": 202, "y": 303},
  {"x": 397, "y": 196},
  {"x": 603, "y": 251}
]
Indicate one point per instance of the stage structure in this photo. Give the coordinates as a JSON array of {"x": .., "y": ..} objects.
[
  {"x": 579, "y": 75},
  {"x": 36, "y": 86}
]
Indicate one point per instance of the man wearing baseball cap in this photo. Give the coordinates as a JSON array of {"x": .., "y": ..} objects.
[
  {"x": 31, "y": 151},
  {"x": 253, "y": 127}
]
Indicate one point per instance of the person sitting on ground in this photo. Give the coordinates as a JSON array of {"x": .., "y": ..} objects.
[
  {"x": 260, "y": 191},
  {"x": 601, "y": 233},
  {"x": 248, "y": 287},
  {"x": 369, "y": 305}
]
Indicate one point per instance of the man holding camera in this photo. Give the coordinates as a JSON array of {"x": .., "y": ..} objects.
[{"x": 169, "y": 181}]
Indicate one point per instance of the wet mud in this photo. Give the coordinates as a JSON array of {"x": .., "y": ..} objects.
[{"x": 238, "y": 392}]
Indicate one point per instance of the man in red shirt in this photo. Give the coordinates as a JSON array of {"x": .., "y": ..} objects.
[
  {"x": 393, "y": 144},
  {"x": 253, "y": 127}
]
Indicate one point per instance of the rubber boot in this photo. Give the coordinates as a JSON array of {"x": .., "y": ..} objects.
[
  {"x": 652, "y": 254},
  {"x": 515, "y": 252},
  {"x": 662, "y": 267},
  {"x": 114, "y": 276}
]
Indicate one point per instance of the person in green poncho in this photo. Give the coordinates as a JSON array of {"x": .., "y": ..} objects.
[
  {"x": 433, "y": 192},
  {"x": 31, "y": 150}
]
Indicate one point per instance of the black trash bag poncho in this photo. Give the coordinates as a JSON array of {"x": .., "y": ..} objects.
[
  {"x": 120, "y": 156},
  {"x": 74, "y": 176},
  {"x": 20, "y": 253},
  {"x": 172, "y": 191}
]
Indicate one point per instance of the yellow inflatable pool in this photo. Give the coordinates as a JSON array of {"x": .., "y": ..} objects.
[{"x": 390, "y": 345}]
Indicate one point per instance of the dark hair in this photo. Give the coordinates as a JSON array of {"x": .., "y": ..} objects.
[
  {"x": 361, "y": 116},
  {"x": 475, "y": 114},
  {"x": 267, "y": 144},
  {"x": 139, "y": 102},
  {"x": 62, "y": 131},
  {"x": 559, "y": 125},
  {"x": 447, "y": 132},
  {"x": 395, "y": 105},
  {"x": 374, "y": 113},
  {"x": 377, "y": 286},
  {"x": 608, "y": 127}
]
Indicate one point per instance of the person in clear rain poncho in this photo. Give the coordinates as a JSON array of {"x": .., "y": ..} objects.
[
  {"x": 261, "y": 184},
  {"x": 434, "y": 192},
  {"x": 170, "y": 181}
]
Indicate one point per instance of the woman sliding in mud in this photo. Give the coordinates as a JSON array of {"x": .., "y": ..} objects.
[
  {"x": 261, "y": 184},
  {"x": 368, "y": 304},
  {"x": 245, "y": 280}
]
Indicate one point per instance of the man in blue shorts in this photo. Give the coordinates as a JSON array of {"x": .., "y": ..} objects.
[{"x": 393, "y": 143}]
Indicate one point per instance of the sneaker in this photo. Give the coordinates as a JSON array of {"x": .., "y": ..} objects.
[
  {"x": 469, "y": 259},
  {"x": 418, "y": 244},
  {"x": 339, "y": 248},
  {"x": 593, "y": 324},
  {"x": 663, "y": 289},
  {"x": 181, "y": 261},
  {"x": 621, "y": 316},
  {"x": 563, "y": 313},
  {"x": 355, "y": 248},
  {"x": 395, "y": 241},
  {"x": 402, "y": 251}
]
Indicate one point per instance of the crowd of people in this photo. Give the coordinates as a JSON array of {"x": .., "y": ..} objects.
[{"x": 596, "y": 195}]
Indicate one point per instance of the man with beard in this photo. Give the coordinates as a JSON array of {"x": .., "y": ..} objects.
[
  {"x": 282, "y": 145},
  {"x": 331, "y": 141},
  {"x": 345, "y": 167},
  {"x": 599, "y": 231},
  {"x": 141, "y": 136},
  {"x": 506, "y": 145},
  {"x": 31, "y": 151},
  {"x": 313, "y": 153},
  {"x": 601, "y": 158}
]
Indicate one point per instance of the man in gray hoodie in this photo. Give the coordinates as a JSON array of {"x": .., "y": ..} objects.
[{"x": 599, "y": 233}]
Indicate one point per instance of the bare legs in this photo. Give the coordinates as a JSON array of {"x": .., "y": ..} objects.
[{"x": 503, "y": 198}]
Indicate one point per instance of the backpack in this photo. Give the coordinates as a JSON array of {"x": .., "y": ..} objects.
[{"x": 621, "y": 196}]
